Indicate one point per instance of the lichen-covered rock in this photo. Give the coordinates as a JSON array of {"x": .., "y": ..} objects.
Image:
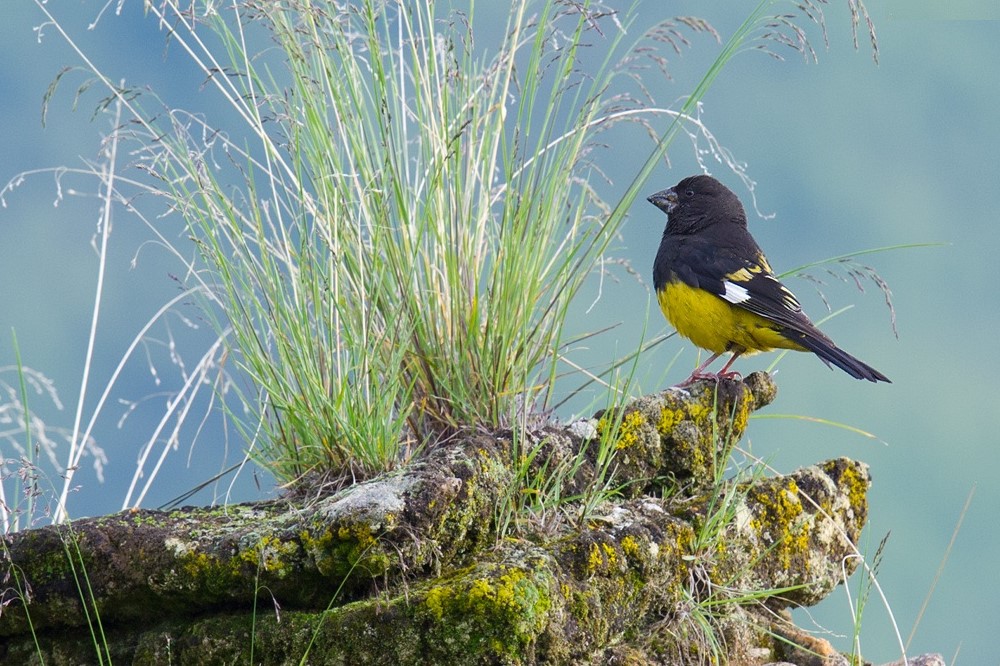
[
  {"x": 143, "y": 565},
  {"x": 684, "y": 435},
  {"x": 411, "y": 569},
  {"x": 804, "y": 526}
]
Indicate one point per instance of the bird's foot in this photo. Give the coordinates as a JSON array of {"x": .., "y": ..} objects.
[{"x": 712, "y": 376}]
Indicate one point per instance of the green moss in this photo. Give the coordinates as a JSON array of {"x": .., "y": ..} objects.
[
  {"x": 51, "y": 566},
  {"x": 320, "y": 548},
  {"x": 500, "y": 611},
  {"x": 346, "y": 550},
  {"x": 272, "y": 554}
]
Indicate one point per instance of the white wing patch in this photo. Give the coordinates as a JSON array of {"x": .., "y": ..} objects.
[{"x": 735, "y": 293}]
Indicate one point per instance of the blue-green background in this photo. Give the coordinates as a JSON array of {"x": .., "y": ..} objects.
[{"x": 847, "y": 155}]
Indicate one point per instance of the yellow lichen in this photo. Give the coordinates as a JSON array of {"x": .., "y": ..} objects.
[
  {"x": 698, "y": 411},
  {"x": 630, "y": 546},
  {"x": 594, "y": 561},
  {"x": 782, "y": 520},
  {"x": 195, "y": 564},
  {"x": 502, "y": 593},
  {"x": 438, "y": 599},
  {"x": 671, "y": 416},
  {"x": 628, "y": 432},
  {"x": 313, "y": 543},
  {"x": 668, "y": 419},
  {"x": 481, "y": 589},
  {"x": 740, "y": 417},
  {"x": 358, "y": 532},
  {"x": 508, "y": 608},
  {"x": 857, "y": 488},
  {"x": 270, "y": 554},
  {"x": 601, "y": 556}
]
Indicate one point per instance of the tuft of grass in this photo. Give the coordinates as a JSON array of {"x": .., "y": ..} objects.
[
  {"x": 391, "y": 232},
  {"x": 408, "y": 220}
]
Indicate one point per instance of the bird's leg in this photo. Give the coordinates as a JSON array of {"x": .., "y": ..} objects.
[
  {"x": 699, "y": 372},
  {"x": 731, "y": 375}
]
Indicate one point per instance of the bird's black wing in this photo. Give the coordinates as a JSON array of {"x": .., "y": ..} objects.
[
  {"x": 754, "y": 287},
  {"x": 737, "y": 273}
]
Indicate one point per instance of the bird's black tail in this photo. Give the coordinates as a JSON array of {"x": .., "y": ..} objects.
[{"x": 830, "y": 353}]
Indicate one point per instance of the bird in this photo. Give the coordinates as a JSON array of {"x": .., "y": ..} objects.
[{"x": 716, "y": 287}]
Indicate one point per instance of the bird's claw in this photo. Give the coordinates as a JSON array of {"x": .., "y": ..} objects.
[{"x": 712, "y": 376}]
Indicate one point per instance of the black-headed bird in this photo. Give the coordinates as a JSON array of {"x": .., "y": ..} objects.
[{"x": 716, "y": 288}]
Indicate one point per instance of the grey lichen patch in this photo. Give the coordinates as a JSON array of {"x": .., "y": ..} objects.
[
  {"x": 179, "y": 547},
  {"x": 583, "y": 429},
  {"x": 373, "y": 503}
]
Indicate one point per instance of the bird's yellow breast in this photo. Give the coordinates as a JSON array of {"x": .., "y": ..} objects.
[{"x": 716, "y": 325}]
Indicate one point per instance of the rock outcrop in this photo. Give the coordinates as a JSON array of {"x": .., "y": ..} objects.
[{"x": 434, "y": 565}]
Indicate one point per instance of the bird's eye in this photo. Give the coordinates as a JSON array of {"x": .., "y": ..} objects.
[{"x": 689, "y": 193}]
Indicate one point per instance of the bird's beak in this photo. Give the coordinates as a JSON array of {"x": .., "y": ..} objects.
[{"x": 665, "y": 200}]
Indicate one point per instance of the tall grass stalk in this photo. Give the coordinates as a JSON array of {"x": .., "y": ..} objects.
[
  {"x": 77, "y": 444},
  {"x": 23, "y": 486}
]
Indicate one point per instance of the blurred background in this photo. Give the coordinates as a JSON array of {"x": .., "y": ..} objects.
[{"x": 846, "y": 155}]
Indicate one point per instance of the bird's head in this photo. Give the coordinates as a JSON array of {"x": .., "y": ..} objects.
[{"x": 696, "y": 202}]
